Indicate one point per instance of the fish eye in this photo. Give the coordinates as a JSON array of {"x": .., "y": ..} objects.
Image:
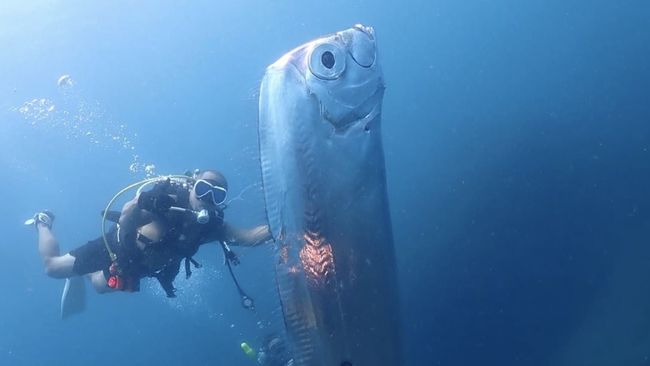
[{"x": 327, "y": 61}]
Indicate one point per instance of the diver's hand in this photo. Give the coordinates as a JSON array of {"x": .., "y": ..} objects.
[
  {"x": 155, "y": 202},
  {"x": 232, "y": 257}
]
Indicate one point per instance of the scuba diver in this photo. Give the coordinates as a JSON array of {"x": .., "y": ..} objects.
[
  {"x": 273, "y": 352},
  {"x": 151, "y": 237}
]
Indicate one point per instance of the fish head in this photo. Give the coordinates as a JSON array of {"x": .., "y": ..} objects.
[{"x": 342, "y": 73}]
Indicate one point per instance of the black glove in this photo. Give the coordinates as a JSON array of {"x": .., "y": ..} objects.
[{"x": 155, "y": 201}]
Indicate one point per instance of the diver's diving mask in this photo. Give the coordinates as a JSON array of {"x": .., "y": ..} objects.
[{"x": 203, "y": 189}]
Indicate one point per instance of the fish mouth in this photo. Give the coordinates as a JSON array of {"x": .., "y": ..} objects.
[
  {"x": 368, "y": 30},
  {"x": 360, "y": 41}
]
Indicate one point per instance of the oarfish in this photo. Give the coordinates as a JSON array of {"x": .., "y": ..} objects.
[{"x": 325, "y": 191}]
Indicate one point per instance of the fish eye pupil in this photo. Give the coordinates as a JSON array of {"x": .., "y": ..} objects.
[{"x": 328, "y": 59}]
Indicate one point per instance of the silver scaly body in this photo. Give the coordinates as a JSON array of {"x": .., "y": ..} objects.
[{"x": 324, "y": 183}]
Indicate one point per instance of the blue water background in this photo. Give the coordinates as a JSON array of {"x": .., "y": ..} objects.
[{"x": 517, "y": 140}]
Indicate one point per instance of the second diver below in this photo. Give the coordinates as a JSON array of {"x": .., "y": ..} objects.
[{"x": 156, "y": 231}]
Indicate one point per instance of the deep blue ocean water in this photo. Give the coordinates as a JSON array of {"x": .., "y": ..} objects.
[{"x": 517, "y": 139}]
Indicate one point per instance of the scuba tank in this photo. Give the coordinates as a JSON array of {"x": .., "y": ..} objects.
[{"x": 248, "y": 350}]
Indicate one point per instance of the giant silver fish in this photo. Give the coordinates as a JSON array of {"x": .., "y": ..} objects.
[{"x": 324, "y": 184}]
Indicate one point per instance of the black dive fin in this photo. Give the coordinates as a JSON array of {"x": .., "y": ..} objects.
[{"x": 73, "y": 299}]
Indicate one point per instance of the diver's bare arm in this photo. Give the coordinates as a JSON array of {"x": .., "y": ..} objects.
[
  {"x": 248, "y": 237},
  {"x": 132, "y": 216}
]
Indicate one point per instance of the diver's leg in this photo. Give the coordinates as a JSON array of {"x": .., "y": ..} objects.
[
  {"x": 99, "y": 281},
  {"x": 56, "y": 266}
]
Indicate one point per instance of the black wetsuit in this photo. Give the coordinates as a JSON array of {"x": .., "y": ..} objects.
[{"x": 93, "y": 256}]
